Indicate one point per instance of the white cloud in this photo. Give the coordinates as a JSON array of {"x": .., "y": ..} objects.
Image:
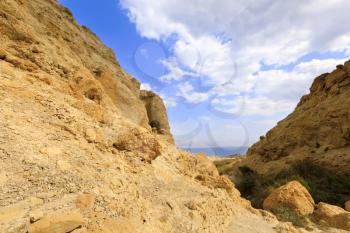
[
  {"x": 207, "y": 56},
  {"x": 146, "y": 86},
  {"x": 175, "y": 73},
  {"x": 252, "y": 106},
  {"x": 316, "y": 66},
  {"x": 224, "y": 44},
  {"x": 186, "y": 91},
  {"x": 276, "y": 91},
  {"x": 169, "y": 102},
  {"x": 204, "y": 118}
]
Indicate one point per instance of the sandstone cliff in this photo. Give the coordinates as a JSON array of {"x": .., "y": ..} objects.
[
  {"x": 41, "y": 39},
  {"x": 77, "y": 149},
  {"x": 318, "y": 130},
  {"x": 156, "y": 113}
]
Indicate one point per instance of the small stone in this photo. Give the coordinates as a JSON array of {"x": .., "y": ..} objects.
[
  {"x": 58, "y": 222},
  {"x": 35, "y": 215},
  {"x": 347, "y": 205},
  {"x": 85, "y": 201},
  {"x": 90, "y": 135},
  {"x": 80, "y": 230},
  {"x": 99, "y": 209},
  {"x": 51, "y": 151},
  {"x": 120, "y": 225},
  {"x": 3, "y": 178},
  {"x": 2, "y": 54},
  {"x": 64, "y": 165},
  {"x": 34, "y": 201},
  {"x": 35, "y": 49},
  {"x": 96, "y": 191}
]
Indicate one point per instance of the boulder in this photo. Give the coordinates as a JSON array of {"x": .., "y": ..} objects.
[
  {"x": 293, "y": 196},
  {"x": 347, "y": 205},
  {"x": 58, "y": 222},
  {"x": 326, "y": 211},
  {"x": 138, "y": 140},
  {"x": 332, "y": 216}
]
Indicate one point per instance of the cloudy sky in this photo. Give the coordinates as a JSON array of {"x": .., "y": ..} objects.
[{"x": 228, "y": 70}]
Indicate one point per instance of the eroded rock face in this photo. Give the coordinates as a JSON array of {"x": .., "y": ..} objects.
[
  {"x": 318, "y": 129},
  {"x": 293, "y": 196},
  {"x": 57, "y": 45},
  {"x": 76, "y": 143},
  {"x": 156, "y": 112}
]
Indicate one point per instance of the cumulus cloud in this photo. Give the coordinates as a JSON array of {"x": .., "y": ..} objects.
[
  {"x": 186, "y": 91},
  {"x": 175, "y": 73},
  {"x": 276, "y": 91},
  {"x": 146, "y": 86},
  {"x": 227, "y": 44},
  {"x": 169, "y": 101}
]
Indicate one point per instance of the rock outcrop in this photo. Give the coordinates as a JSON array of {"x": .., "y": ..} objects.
[
  {"x": 332, "y": 216},
  {"x": 293, "y": 196},
  {"x": 317, "y": 130},
  {"x": 77, "y": 150},
  {"x": 156, "y": 112},
  {"x": 57, "y": 45}
]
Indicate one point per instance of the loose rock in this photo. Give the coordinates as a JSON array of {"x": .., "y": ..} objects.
[
  {"x": 57, "y": 223},
  {"x": 293, "y": 196}
]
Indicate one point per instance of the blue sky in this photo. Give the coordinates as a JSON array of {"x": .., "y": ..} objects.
[{"x": 227, "y": 70}]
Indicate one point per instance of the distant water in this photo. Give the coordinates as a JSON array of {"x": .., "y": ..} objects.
[{"x": 218, "y": 151}]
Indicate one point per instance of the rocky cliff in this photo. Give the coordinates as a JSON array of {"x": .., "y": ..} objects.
[
  {"x": 308, "y": 151},
  {"x": 318, "y": 130},
  {"x": 156, "y": 114},
  {"x": 82, "y": 149},
  {"x": 45, "y": 37}
]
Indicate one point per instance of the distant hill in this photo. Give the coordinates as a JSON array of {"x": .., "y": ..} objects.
[
  {"x": 218, "y": 151},
  {"x": 317, "y": 130}
]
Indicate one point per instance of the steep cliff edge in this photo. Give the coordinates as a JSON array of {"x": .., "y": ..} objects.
[
  {"x": 77, "y": 149},
  {"x": 311, "y": 145},
  {"x": 46, "y": 38},
  {"x": 318, "y": 130}
]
